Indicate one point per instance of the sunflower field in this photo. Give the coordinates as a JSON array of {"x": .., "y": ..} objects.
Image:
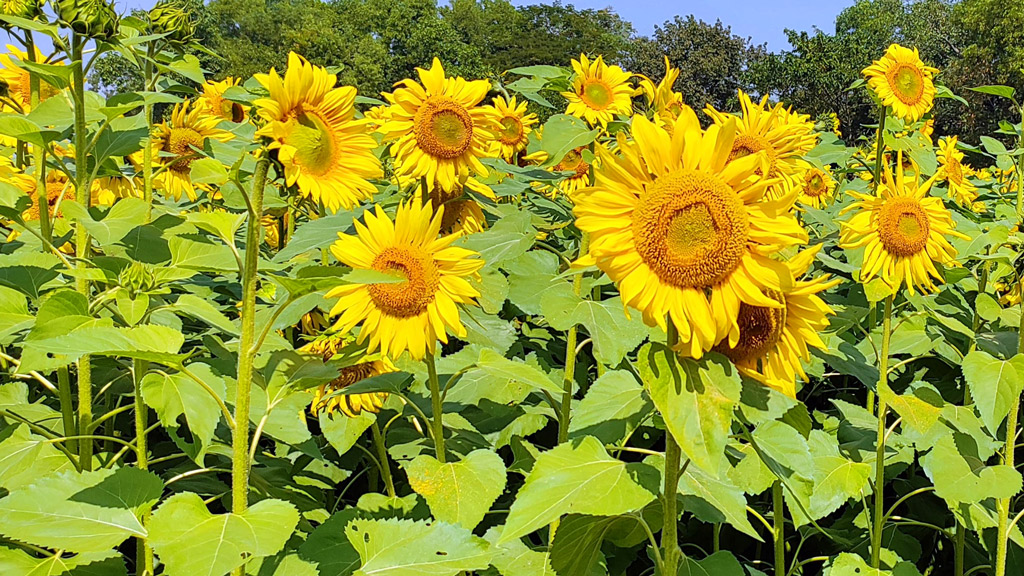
[{"x": 556, "y": 322}]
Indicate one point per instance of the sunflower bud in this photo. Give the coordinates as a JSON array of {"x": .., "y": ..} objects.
[
  {"x": 170, "y": 17},
  {"x": 137, "y": 277},
  {"x": 27, "y": 9},
  {"x": 92, "y": 18}
]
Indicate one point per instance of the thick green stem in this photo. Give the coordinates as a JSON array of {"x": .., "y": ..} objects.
[
  {"x": 571, "y": 337},
  {"x": 39, "y": 155},
  {"x": 779, "y": 528},
  {"x": 883, "y": 384},
  {"x": 670, "y": 550},
  {"x": 959, "y": 543},
  {"x": 1020, "y": 168},
  {"x": 382, "y": 458},
  {"x": 1003, "y": 504},
  {"x": 82, "y": 242},
  {"x": 240, "y": 434},
  {"x": 147, "y": 150},
  {"x": 144, "y": 562},
  {"x": 437, "y": 414},
  {"x": 67, "y": 406}
]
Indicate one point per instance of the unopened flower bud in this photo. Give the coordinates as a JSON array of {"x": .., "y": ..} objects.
[
  {"x": 172, "y": 18},
  {"x": 93, "y": 18}
]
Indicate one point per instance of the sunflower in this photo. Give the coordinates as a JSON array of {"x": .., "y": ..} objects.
[
  {"x": 817, "y": 187},
  {"x": 17, "y": 78},
  {"x": 440, "y": 130},
  {"x": 58, "y": 188},
  {"x": 773, "y": 341},
  {"x": 902, "y": 82},
  {"x": 598, "y": 91},
  {"x": 213, "y": 103},
  {"x": 1009, "y": 293},
  {"x": 175, "y": 142},
  {"x": 662, "y": 100},
  {"x": 781, "y": 134},
  {"x": 902, "y": 230},
  {"x": 322, "y": 145},
  {"x": 515, "y": 127},
  {"x": 350, "y": 405},
  {"x": 685, "y": 232},
  {"x": 411, "y": 315},
  {"x": 578, "y": 169},
  {"x": 953, "y": 170},
  {"x": 460, "y": 213}
]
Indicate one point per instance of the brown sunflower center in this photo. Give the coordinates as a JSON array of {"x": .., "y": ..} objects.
[
  {"x": 314, "y": 143},
  {"x": 409, "y": 298},
  {"x": 690, "y": 229},
  {"x": 181, "y": 143},
  {"x": 903, "y": 226},
  {"x": 760, "y": 331},
  {"x": 443, "y": 128},
  {"x": 596, "y": 94},
  {"x": 815, "y": 185},
  {"x": 907, "y": 83},
  {"x": 511, "y": 132},
  {"x": 747, "y": 144},
  {"x": 573, "y": 162},
  {"x": 232, "y": 111},
  {"x": 349, "y": 375}
]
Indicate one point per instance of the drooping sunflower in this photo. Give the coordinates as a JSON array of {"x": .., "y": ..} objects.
[
  {"x": 108, "y": 189},
  {"x": 956, "y": 174},
  {"x": 213, "y": 103},
  {"x": 411, "y": 315},
  {"x": 783, "y": 135},
  {"x": 903, "y": 82},
  {"x": 175, "y": 143},
  {"x": 460, "y": 213},
  {"x": 817, "y": 188},
  {"x": 773, "y": 341},
  {"x": 685, "y": 232},
  {"x": 598, "y": 91},
  {"x": 324, "y": 148},
  {"x": 364, "y": 367},
  {"x": 440, "y": 130},
  {"x": 903, "y": 232},
  {"x": 18, "y": 78},
  {"x": 515, "y": 125},
  {"x": 665, "y": 103}
]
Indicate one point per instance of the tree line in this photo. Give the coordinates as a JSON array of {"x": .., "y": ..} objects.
[{"x": 374, "y": 43}]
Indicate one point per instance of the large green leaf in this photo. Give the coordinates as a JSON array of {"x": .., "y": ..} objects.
[
  {"x": 18, "y": 563},
  {"x": 25, "y": 457},
  {"x": 715, "y": 500},
  {"x": 695, "y": 399},
  {"x": 614, "y": 334},
  {"x": 191, "y": 541},
  {"x": 407, "y": 548},
  {"x": 514, "y": 558},
  {"x": 576, "y": 550},
  {"x": 328, "y": 547},
  {"x": 509, "y": 238},
  {"x": 459, "y": 492},
  {"x": 343, "y": 432},
  {"x": 123, "y": 217},
  {"x": 612, "y": 408},
  {"x": 144, "y": 341},
  {"x": 958, "y": 481},
  {"x": 527, "y": 377},
  {"x": 172, "y": 395},
  {"x": 836, "y": 477},
  {"x": 575, "y": 477},
  {"x": 718, "y": 564},
  {"x": 995, "y": 385},
  {"x": 562, "y": 134},
  {"x": 44, "y": 514}
]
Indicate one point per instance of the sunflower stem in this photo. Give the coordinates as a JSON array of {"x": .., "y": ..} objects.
[
  {"x": 240, "y": 434},
  {"x": 569, "y": 377},
  {"x": 671, "y": 552},
  {"x": 437, "y": 414},
  {"x": 83, "y": 197},
  {"x": 147, "y": 150},
  {"x": 144, "y": 553},
  {"x": 67, "y": 406},
  {"x": 959, "y": 543},
  {"x": 1020, "y": 168},
  {"x": 38, "y": 153},
  {"x": 779, "y": 528},
  {"x": 382, "y": 458},
  {"x": 1003, "y": 504},
  {"x": 883, "y": 384}
]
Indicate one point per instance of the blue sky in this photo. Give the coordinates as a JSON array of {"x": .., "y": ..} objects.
[{"x": 759, "y": 19}]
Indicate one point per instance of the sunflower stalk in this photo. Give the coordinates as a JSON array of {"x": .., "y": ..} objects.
[
  {"x": 569, "y": 378},
  {"x": 382, "y": 458},
  {"x": 437, "y": 405},
  {"x": 144, "y": 553},
  {"x": 147, "y": 151},
  {"x": 240, "y": 434},
  {"x": 883, "y": 384},
  {"x": 670, "y": 551},
  {"x": 1003, "y": 504},
  {"x": 779, "y": 528},
  {"x": 38, "y": 152},
  {"x": 82, "y": 241}
]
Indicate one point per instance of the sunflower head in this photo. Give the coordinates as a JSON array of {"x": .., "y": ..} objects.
[
  {"x": 459, "y": 212},
  {"x": 903, "y": 231},
  {"x": 598, "y": 91},
  {"x": 684, "y": 231},
  {"x": 92, "y": 18},
  {"x": 438, "y": 129},
  {"x": 324, "y": 148},
  {"x": 420, "y": 306},
  {"x": 27, "y": 9},
  {"x": 817, "y": 187},
  {"x": 513, "y": 128},
  {"x": 902, "y": 82},
  {"x": 578, "y": 169},
  {"x": 956, "y": 173},
  {"x": 213, "y": 103},
  {"x": 18, "y": 81},
  {"x": 665, "y": 103},
  {"x": 172, "y": 17},
  {"x": 179, "y": 141},
  {"x": 326, "y": 399}
]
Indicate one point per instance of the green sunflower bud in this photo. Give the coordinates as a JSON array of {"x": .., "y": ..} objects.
[
  {"x": 27, "y": 9},
  {"x": 137, "y": 277},
  {"x": 170, "y": 17},
  {"x": 93, "y": 18}
]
